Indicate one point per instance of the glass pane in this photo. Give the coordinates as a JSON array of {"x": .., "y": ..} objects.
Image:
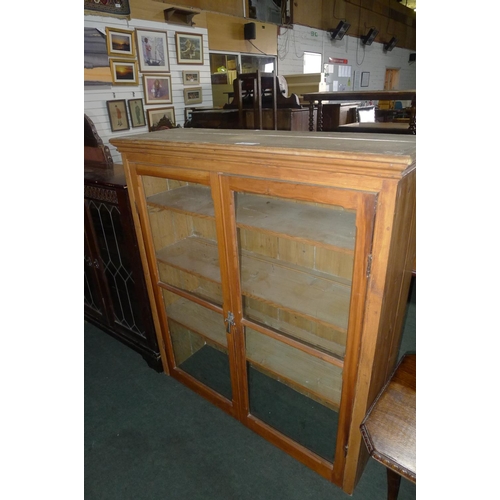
[
  {"x": 296, "y": 263},
  {"x": 294, "y": 392},
  {"x": 223, "y": 71},
  {"x": 181, "y": 216},
  {"x": 252, "y": 63},
  {"x": 199, "y": 341},
  {"x": 114, "y": 254}
]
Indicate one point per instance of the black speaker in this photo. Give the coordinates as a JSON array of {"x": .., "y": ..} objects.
[
  {"x": 368, "y": 39},
  {"x": 413, "y": 58},
  {"x": 249, "y": 31},
  {"x": 339, "y": 32},
  {"x": 390, "y": 44}
]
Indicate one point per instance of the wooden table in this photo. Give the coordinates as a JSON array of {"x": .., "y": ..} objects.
[
  {"x": 389, "y": 428},
  {"x": 375, "y": 127},
  {"x": 360, "y": 95}
]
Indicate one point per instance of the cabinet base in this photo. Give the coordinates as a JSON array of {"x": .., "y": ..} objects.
[{"x": 152, "y": 358}]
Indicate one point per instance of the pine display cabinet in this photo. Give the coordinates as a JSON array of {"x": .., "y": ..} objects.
[{"x": 279, "y": 266}]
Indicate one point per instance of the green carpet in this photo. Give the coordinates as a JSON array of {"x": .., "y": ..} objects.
[{"x": 149, "y": 437}]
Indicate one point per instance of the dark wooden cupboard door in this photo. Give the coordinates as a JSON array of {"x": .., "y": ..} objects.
[
  {"x": 93, "y": 294},
  {"x": 298, "y": 257},
  {"x": 183, "y": 252}
]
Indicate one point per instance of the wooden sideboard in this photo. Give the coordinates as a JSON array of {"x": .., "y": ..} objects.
[
  {"x": 296, "y": 119},
  {"x": 280, "y": 265}
]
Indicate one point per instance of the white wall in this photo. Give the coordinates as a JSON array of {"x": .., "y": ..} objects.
[
  {"x": 95, "y": 98},
  {"x": 292, "y": 43}
]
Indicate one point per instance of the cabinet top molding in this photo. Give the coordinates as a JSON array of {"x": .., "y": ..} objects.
[{"x": 375, "y": 154}]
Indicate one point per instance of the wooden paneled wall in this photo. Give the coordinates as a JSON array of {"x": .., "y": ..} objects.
[
  {"x": 389, "y": 17},
  {"x": 226, "y": 33},
  {"x": 224, "y": 21}
]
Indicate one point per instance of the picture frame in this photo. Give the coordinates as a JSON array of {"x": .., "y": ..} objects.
[
  {"x": 117, "y": 112},
  {"x": 193, "y": 95},
  {"x": 157, "y": 89},
  {"x": 124, "y": 72},
  {"x": 120, "y": 42},
  {"x": 136, "y": 110},
  {"x": 157, "y": 118},
  {"x": 189, "y": 48},
  {"x": 191, "y": 77},
  {"x": 365, "y": 79},
  {"x": 152, "y": 50}
]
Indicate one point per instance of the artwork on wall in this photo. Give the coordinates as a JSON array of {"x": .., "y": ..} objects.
[
  {"x": 117, "y": 7},
  {"x": 95, "y": 59},
  {"x": 189, "y": 48},
  {"x": 191, "y": 77},
  {"x": 152, "y": 50},
  {"x": 120, "y": 42},
  {"x": 161, "y": 118},
  {"x": 124, "y": 72},
  {"x": 193, "y": 95},
  {"x": 157, "y": 89},
  {"x": 365, "y": 78},
  {"x": 117, "y": 112},
  {"x": 136, "y": 110}
]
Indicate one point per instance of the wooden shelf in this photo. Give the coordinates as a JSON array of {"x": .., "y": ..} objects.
[
  {"x": 191, "y": 199},
  {"x": 262, "y": 278},
  {"x": 316, "y": 225},
  {"x": 177, "y": 15},
  {"x": 199, "y": 319},
  {"x": 302, "y": 371}
]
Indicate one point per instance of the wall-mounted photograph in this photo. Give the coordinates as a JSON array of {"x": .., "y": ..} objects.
[
  {"x": 189, "y": 48},
  {"x": 120, "y": 42},
  {"x": 191, "y": 77},
  {"x": 152, "y": 49},
  {"x": 193, "y": 95},
  {"x": 117, "y": 112},
  {"x": 124, "y": 72},
  {"x": 161, "y": 118},
  {"x": 157, "y": 89},
  {"x": 136, "y": 110}
]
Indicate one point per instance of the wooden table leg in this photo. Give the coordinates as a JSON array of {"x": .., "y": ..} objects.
[
  {"x": 311, "y": 116},
  {"x": 319, "y": 118},
  {"x": 393, "y": 482}
]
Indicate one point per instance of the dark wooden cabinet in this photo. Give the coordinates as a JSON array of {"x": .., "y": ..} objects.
[{"x": 116, "y": 297}]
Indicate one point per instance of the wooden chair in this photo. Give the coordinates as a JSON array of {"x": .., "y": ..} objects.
[{"x": 252, "y": 88}]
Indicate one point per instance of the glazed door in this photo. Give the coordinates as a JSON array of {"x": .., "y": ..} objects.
[
  {"x": 93, "y": 294},
  {"x": 183, "y": 252},
  {"x": 299, "y": 267}
]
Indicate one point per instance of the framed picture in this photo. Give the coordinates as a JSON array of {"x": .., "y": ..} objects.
[
  {"x": 124, "y": 72},
  {"x": 160, "y": 118},
  {"x": 136, "y": 110},
  {"x": 120, "y": 42},
  {"x": 193, "y": 95},
  {"x": 365, "y": 78},
  {"x": 189, "y": 48},
  {"x": 117, "y": 112},
  {"x": 191, "y": 77},
  {"x": 152, "y": 49},
  {"x": 157, "y": 89}
]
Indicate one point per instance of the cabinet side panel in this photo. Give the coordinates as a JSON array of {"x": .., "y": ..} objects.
[
  {"x": 399, "y": 271},
  {"x": 381, "y": 354}
]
